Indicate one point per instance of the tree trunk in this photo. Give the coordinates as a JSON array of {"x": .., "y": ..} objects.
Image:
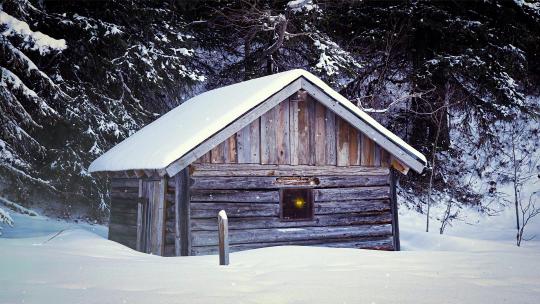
[{"x": 515, "y": 184}]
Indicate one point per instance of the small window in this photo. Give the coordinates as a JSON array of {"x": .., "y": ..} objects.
[{"x": 296, "y": 204}]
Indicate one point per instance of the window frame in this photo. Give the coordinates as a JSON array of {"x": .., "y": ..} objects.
[{"x": 309, "y": 200}]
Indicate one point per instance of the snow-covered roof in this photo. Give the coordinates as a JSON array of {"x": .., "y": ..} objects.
[{"x": 177, "y": 132}]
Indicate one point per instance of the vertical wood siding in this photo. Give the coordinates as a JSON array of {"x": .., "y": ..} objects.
[
  {"x": 298, "y": 131},
  {"x": 124, "y": 209}
]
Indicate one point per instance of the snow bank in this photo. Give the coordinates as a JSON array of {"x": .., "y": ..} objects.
[
  {"x": 471, "y": 228},
  {"x": 77, "y": 266},
  {"x": 32, "y": 226},
  {"x": 80, "y": 267}
]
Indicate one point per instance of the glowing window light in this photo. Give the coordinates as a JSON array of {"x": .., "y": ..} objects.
[
  {"x": 299, "y": 203},
  {"x": 296, "y": 204}
]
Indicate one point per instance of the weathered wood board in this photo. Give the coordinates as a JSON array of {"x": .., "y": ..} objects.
[
  {"x": 319, "y": 220},
  {"x": 282, "y": 170},
  {"x": 271, "y": 182},
  {"x": 268, "y": 235},
  {"x": 123, "y": 212},
  {"x": 125, "y": 219},
  {"x": 298, "y": 131},
  {"x": 379, "y": 243}
]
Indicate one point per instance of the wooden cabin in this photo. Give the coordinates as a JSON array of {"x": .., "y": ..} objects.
[{"x": 290, "y": 160}]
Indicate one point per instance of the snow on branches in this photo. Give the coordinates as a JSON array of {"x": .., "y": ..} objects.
[
  {"x": 33, "y": 40},
  {"x": 5, "y": 218},
  {"x": 76, "y": 80},
  {"x": 332, "y": 57},
  {"x": 298, "y": 6}
]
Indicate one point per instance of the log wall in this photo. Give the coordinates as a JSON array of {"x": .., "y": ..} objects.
[{"x": 351, "y": 207}]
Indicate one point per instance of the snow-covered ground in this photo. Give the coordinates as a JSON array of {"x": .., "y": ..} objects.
[{"x": 79, "y": 265}]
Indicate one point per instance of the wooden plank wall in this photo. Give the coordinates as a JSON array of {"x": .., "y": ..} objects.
[
  {"x": 170, "y": 231},
  {"x": 298, "y": 131},
  {"x": 123, "y": 216},
  {"x": 351, "y": 207},
  {"x": 159, "y": 199}
]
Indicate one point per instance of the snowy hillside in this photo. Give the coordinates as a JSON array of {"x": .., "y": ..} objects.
[{"x": 47, "y": 261}]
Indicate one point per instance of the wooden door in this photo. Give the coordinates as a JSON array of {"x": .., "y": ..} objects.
[{"x": 151, "y": 216}]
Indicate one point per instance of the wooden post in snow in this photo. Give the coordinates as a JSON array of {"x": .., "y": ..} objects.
[{"x": 223, "y": 227}]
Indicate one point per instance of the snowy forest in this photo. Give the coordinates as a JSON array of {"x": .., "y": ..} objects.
[
  {"x": 460, "y": 81},
  {"x": 457, "y": 81}
]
